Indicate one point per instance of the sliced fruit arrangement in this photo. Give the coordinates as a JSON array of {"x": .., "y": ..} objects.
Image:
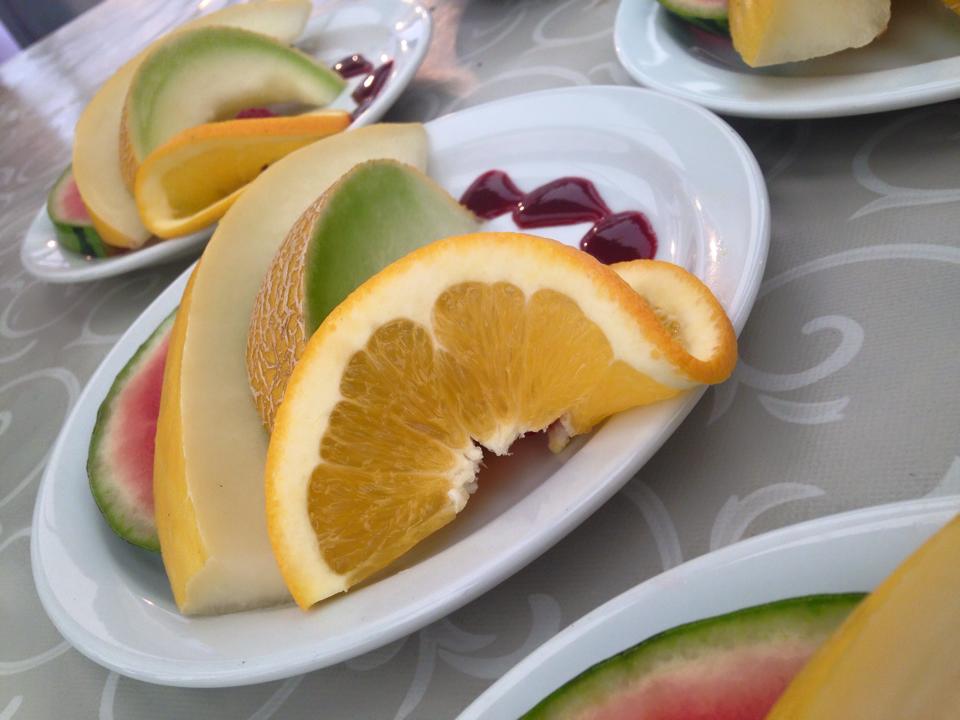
[
  {"x": 75, "y": 230},
  {"x": 211, "y": 445},
  {"x": 708, "y": 14},
  {"x": 96, "y": 149},
  {"x": 120, "y": 459},
  {"x": 191, "y": 180},
  {"x": 730, "y": 667},
  {"x": 211, "y": 73},
  {"x": 470, "y": 340},
  {"x": 373, "y": 215},
  {"x": 769, "y": 32},
  {"x": 895, "y": 656}
]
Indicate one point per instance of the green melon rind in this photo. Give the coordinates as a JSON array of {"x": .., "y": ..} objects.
[
  {"x": 813, "y": 616},
  {"x": 691, "y": 11},
  {"x": 375, "y": 214},
  {"x": 81, "y": 238},
  {"x": 181, "y": 53},
  {"x": 125, "y": 520}
]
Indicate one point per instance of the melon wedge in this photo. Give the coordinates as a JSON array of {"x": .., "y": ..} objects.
[
  {"x": 207, "y": 74},
  {"x": 729, "y": 667},
  {"x": 769, "y": 32},
  {"x": 96, "y": 152},
  {"x": 211, "y": 444},
  {"x": 375, "y": 214},
  {"x": 895, "y": 658}
]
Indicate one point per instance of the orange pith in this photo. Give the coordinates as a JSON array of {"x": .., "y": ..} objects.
[{"x": 484, "y": 363}]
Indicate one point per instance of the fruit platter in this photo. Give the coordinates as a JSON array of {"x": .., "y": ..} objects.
[
  {"x": 140, "y": 189},
  {"x": 237, "y": 396},
  {"x": 791, "y": 58}
]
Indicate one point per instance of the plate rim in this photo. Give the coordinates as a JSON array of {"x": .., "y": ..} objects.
[
  {"x": 790, "y": 109},
  {"x": 920, "y": 509},
  {"x": 173, "y": 249},
  {"x": 472, "y": 584}
]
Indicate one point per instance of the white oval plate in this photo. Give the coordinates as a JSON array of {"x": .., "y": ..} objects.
[
  {"x": 915, "y": 62},
  {"x": 378, "y": 29},
  {"x": 849, "y": 552},
  {"x": 703, "y": 192}
]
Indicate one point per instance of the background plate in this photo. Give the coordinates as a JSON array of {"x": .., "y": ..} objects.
[
  {"x": 678, "y": 163},
  {"x": 843, "y": 553},
  {"x": 378, "y": 29},
  {"x": 915, "y": 62}
]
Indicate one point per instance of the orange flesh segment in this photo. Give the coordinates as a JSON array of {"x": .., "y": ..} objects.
[
  {"x": 182, "y": 185},
  {"x": 411, "y": 407}
]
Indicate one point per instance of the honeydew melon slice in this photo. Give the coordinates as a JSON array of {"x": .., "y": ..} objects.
[
  {"x": 211, "y": 73},
  {"x": 96, "y": 151},
  {"x": 211, "y": 445},
  {"x": 375, "y": 214},
  {"x": 730, "y": 667}
]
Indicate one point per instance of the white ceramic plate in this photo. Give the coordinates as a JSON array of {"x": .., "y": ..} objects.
[
  {"x": 844, "y": 553},
  {"x": 917, "y": 61},
  {"x": 701, "y": 188},
  {"x": 381, "y": 30}
]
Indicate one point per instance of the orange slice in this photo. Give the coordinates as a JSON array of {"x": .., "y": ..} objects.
[
  {"x": 475, "y": 339},
  {"x": 953, "y": 5},
  {"x": 191, "y": 181}
]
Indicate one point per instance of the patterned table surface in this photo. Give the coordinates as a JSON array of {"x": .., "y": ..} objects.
[{"x": 845, "y": 395}]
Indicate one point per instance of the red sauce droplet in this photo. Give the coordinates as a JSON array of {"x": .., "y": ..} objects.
[
  {"x": 614, "y": 237},
  {"x": 564, "y": 201},
  {"x": 491, "y": 195},
  {"x": 353, "y": 65},
  {"x": 367, "y": 91},
  {"x": 255, "y": 112},
  {"x": 621, "y": 237}
]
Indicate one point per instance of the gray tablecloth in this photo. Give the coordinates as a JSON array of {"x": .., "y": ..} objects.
[{"x": 845, "y": 395}]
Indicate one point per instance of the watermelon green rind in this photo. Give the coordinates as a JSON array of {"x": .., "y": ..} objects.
[
  {"x": 75, "y": 234},
  {"x": 710, "y": 16},
  {"x": 125, "y": 517},
  {"x": 805, "y": 619}
]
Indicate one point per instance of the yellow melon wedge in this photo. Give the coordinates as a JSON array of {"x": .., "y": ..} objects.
[
  {"x": 895, "y": 657},
  {"x": 211, "y": 445},
  {"x": 191, "y": 180},
  {"x": 96, "y": 151},
  {"x": 769, "y": 32}
]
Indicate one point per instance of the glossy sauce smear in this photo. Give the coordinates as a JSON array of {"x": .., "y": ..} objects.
[
  {"x": 614, "y": 237},
  {"x": 367, "y": 91}
]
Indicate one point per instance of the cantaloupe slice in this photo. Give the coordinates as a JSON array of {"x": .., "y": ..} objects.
[
  {"x": 375, "y": 214},
  {"x": 96, "y": 152},
  {"x": 211, "y": 445}
]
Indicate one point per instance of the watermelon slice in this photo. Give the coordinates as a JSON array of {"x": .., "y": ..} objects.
[
  {"x": 70, "y": 218},
  {"x": 120, "y": 460},
  {"x": 708, "y": 14},
  {"x": 731, "y": 667}
]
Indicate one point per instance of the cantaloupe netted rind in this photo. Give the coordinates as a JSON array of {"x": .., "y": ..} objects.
[
  {"x": 470, "y": 340},
  {"x": 373, "y": 215}
]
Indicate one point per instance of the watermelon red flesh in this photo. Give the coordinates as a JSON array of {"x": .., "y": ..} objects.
[
  {"x": 71, "y": 220},
  {"x": 120, "y": 461},
  {"x": 732, "y": 667}
]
